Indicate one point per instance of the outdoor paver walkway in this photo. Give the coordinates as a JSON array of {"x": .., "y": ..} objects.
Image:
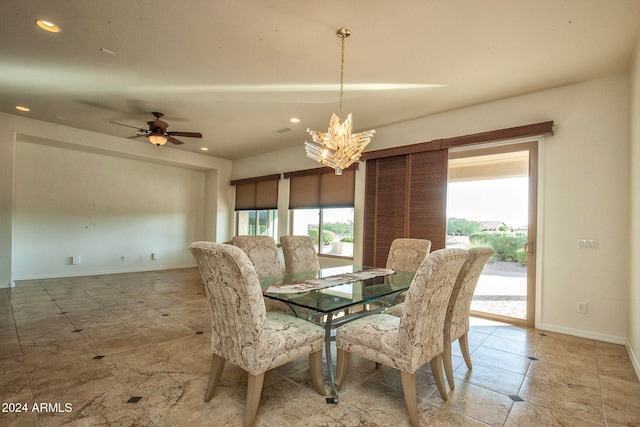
[{"x": 501, "y": 292}]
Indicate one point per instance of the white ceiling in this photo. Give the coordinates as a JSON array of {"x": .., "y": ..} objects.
[{"x": 238, "y": 70}]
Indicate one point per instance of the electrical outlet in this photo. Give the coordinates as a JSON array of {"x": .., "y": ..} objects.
[
  {"x": 581, "y": 307},
  {"x": 588, "y": 244}
]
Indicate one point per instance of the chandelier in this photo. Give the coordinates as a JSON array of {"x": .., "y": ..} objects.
[{"x": 338, "y": 148}]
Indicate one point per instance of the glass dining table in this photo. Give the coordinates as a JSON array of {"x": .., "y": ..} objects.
[{"x": 334, "y": 296}]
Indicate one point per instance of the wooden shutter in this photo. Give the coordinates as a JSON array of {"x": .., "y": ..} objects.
[{"x": 405, "y": 196}]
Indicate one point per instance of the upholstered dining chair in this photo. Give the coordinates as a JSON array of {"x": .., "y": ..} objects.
[
  {"x": 299, "y": 254},
  {"x": 243, "y": 332},
  {"x": 407, "y": 342},
  {"x": 456, "y": 323},
  {"x": 406, "y": 254},
  {"x": 263, "y": 253}
]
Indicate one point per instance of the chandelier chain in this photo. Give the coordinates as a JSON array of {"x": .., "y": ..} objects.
[{"x": 341, "y": 75}]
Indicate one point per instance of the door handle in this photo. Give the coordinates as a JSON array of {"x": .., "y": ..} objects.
[{"x": 526, "y": 249}]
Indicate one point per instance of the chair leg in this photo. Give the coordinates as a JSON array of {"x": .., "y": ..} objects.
[
  {"x": 315, "y": 366},
  {"x": 409, "y": 389},
  {"x": 254, "y": 390},
  {"x": 464, "y": 348},
  {"x": 448, "y": 366},
  {"x": 342, "y": 365},
  {"x": 436, "y": 369},
  {"x": 217, "y": 365}
]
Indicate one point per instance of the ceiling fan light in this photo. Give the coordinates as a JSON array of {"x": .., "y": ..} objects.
[
  {"x": 157, "y": 140},
  {"x": 47, "y": 26}
]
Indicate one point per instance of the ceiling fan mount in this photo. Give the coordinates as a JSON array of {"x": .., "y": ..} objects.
[{"x": 157, "y": 131}]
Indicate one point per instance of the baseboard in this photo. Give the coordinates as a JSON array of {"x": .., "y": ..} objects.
[
  {"x": 584, "y": 334},
  {"x": 7, "y": 285},
  {"x": 634, "y": 359},
  {"x": 105, "y": 272}
]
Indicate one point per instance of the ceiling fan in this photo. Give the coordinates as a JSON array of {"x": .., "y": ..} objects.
[{"x": 157, "y": 131}]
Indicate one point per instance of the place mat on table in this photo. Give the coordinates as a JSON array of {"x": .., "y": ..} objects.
[{"x": 313, "y": 284}]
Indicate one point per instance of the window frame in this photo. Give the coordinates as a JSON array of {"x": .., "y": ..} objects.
[
  {"x": 272, "y": 217},
  {"x": 320, "y": 229}
]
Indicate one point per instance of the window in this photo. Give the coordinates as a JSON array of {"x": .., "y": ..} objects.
[
  {"x": 335, "y": 225},
  {"x": 257, "y": 222},
  {"x": 256, "y": 206},
  {"x": 321, "y": 205}
]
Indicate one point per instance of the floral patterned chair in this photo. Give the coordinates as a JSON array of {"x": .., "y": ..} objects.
[
  {"x": 456, "y": 323},
  {"x": 407, "y": 342},
  {"x": 243, "y": 332},
  {"x": 299, "y": 254},
  {"x": 263, "y": 253},
  {"x": 406, "y": 255}
]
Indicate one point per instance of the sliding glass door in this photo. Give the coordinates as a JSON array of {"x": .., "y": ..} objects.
[{"x": 492, "y": 201}]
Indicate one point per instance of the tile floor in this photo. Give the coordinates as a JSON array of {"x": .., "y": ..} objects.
[{"x": 133, "y": 349}]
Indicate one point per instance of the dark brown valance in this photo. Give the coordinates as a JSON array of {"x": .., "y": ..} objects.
[
  {"x": 543, "y": 128},
  {"x": 318, "y": 171}
]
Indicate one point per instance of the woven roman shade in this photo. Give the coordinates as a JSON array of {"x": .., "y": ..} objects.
[
  {"x": 259, "y": 193},
  {"x": 321, "y": 188}
]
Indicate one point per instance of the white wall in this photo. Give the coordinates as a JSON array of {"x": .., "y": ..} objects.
[
  {"x": 633, "y": 320},
  {"x": 7, "y": 149},
  {"x": 101, "y": 208},
  {"x": 69, "y": 192},
  {"x": 583, "y": 193}
]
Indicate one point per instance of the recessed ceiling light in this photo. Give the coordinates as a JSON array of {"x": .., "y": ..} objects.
[
  {"x": 47, "y": 26},
  {"x": 294, "y": 120},
  {"x": 204, "y": 149},
  {"x": 22, "y": 108}
]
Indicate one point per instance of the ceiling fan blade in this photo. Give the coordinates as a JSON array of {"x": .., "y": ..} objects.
[
  {"x": 173, "y": 140},
  {"x": 129, "y": 126},
  {"x": 186, "y": 134},
  {"x": 137, "y": 136}
]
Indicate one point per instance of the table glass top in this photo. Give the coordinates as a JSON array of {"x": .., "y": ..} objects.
[{"x": 340, "y": 296}]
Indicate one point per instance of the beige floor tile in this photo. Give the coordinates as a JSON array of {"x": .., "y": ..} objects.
[
  {"x": 525, "y": 414},
  {"x": 477, "y": 403},
  {"x": 501, "y": 359},
  {"x": 135, "y": 335},
  {"x": 489, "y": 377},
  {"x": 579, "y": 378},
  {"x": 563, "y": 400}
]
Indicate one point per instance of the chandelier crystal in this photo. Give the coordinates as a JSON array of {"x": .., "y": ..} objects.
[{"x": 338, "y": 148}]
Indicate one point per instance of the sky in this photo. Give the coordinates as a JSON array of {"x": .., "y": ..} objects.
[{"x": 489, "y": 200}]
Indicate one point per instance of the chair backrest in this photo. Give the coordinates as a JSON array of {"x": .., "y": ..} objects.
[
  {"x": 238, "y": 314},
  {"x": 263, "y": 253},
  {"x": 407, "y": 254},
  {"x": 422, "y": 322},
  {"x": 456, "y": 321},
  {"x": 299, "y": 254}
]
